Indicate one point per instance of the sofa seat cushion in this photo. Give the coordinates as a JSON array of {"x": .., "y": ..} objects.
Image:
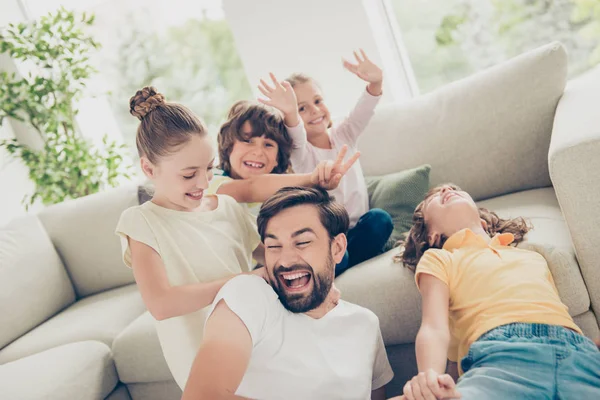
[
  {"x": 99, "y": 317},
  {"x": 549, "y": 237},
  {"x": 82, "y": 371},
  {"x": 388, "y": 288},
  {"x": 138, "y": 355}
]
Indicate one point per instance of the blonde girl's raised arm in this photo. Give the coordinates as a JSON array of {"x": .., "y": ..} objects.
[
  {"x": 433, "y": 338},
  {"x": 161, "y": 299}
]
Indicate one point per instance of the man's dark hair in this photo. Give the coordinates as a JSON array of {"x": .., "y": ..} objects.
[{"x": 333, "y": 215}]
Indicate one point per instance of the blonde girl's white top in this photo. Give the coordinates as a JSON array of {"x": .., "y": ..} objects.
[
  {"x": 194, "y": 247},
  {"x": 352, "y": 190}
]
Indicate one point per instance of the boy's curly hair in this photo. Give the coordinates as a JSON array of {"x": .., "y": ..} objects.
[
  {"x": 416, "y": 241},
  {"x": 265, "y": 121}
]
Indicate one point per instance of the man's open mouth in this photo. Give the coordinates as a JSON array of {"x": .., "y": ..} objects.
[{"x": 296, "y": 280}]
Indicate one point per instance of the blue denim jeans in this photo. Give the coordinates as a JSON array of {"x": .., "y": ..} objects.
[
  {"x": 531, "y": 361},
  {"x": 366, "y": 239}
]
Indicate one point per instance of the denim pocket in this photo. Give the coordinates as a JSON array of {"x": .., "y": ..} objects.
[{"x": 467, "y": 362}]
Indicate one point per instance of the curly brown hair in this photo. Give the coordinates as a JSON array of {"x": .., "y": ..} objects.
[
  {"x": 416, "y": 241},
  {"x": 265, "y": 121}
]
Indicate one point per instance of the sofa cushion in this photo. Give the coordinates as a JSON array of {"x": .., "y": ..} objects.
[
  {"x": 588, "y": 324},
  {"x": 574, "y": 164},
  {"x": 33, "y": 282},
  {"x": 83, "y": 232},
  {"x": 164, "y": 390},
  {"x": 549, "y": 237},
  {"x": 389, "y": 290},
  {"x": 488, "y": 133},
  {"x": 138, "y": 355},
  {"x": 100, "y": 317},
  {"x": 398, "y": 194},
  {"x": 120, "y": 393},
  {"x": 82, "y": 371}
]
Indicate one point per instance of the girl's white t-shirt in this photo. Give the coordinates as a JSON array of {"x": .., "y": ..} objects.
[{"x": 194, "y": 247}]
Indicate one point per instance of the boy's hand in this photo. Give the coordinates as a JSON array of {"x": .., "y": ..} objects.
[
  {"x": 336, "y": 295},
  {"x": 282, "y": 97},
  {"x": 328, "y": 174},
  {"x": 431, "y": 385},
  {"x": 366, "y": 70},
  {"x": 261, "y": 272}
]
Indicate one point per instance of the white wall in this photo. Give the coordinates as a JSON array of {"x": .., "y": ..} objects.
[{"x": 311, "y": 36}]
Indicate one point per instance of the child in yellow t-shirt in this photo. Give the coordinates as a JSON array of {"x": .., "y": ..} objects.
[{"x": 492, "y": 308}]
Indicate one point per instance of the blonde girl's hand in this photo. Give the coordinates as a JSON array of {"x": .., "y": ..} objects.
[
  {"x": 366, "y": 70},
  {"x": 328, "y": 174},
  {"x": 282, "y": 97},
  {"x": 431, "y": 385}
]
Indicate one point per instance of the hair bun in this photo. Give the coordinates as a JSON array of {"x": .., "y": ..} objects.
[{"x": 144, "y": 101}]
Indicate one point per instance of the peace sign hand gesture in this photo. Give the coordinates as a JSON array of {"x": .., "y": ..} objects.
[{"x": 328, "y": 174}]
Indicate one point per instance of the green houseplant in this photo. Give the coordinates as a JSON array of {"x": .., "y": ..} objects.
[{"x": 56, "y": 49}]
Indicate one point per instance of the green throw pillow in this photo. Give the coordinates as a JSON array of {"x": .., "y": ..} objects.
[{"x": 399, "y": 194}]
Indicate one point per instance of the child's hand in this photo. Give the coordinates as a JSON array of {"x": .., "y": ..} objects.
[
  {"x": 282, "y": 97},
  {"x": 430, "y": 384},
  {"x": 366, "y": 70},
  {"x": 261, "y": 272},
  {"x": 328, "y": 174},
  {"x": 336, "y": 295}
]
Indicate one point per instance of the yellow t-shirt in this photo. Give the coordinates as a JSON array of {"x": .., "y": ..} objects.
[
  {"x": 492, "y": 284},
  {"x": 218, "y": 180},
  {"x": 194, "y": 247}
]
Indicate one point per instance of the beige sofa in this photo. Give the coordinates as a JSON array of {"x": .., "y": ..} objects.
[{"x": 73, "y": 326}]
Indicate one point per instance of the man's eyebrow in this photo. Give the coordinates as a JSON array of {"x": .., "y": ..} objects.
[
  {"x": 297, "y": 233},
  {"x": 301, "y": 231}
]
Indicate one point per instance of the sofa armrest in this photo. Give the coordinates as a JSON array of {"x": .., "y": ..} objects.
[{"x": 574, "y": 164}]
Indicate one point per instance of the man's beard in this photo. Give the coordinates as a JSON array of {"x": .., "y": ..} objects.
[{"x": 303, "y": 302}]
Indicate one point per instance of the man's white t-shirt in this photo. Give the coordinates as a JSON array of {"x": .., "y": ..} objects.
[{"x": 294, "y": 356}]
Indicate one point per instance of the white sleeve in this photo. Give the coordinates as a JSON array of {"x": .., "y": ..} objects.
[
  {"x": 382, "y": 371},
  {"x": 247, "y": 221},
  {"x": 252, "y": 300},
  {"x": 299, "y": 157},
  {"x": 348, "y": 131},
  {"x": 133, "y": 224}
]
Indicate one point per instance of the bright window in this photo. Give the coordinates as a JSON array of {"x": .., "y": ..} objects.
[{"x": 450, "y": 39}]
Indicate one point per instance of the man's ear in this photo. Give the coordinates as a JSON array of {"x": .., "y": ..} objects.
[
  {"x": 338, "y": 247},
  {"x": 147, "y": 167}
]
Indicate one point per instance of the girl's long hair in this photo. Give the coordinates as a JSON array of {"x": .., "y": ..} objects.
[{"x": 416, "y": 241}]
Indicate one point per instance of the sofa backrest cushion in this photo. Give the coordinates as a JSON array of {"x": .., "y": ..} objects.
[
  {"x": 488, "y": 133},
  {"x": 33, "y": 282},
  {"x": 83, "y": 232}
]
